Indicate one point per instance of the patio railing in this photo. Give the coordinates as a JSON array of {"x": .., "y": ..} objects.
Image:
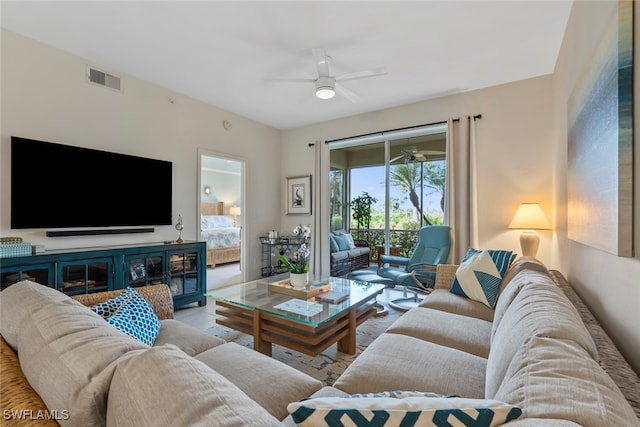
[{"x": 405, "y": 240}]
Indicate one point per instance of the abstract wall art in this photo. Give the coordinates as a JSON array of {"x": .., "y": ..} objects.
[{"x": 600, "y": 143}]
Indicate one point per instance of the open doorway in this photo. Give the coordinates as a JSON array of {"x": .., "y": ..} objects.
[{"x": 221, "y": 202}]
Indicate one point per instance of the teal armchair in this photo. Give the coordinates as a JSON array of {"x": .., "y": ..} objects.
[{"x": 417, "y": 274}]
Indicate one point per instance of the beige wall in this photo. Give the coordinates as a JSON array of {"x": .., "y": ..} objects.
[
  {"x": 522, "y": 156},
  {"x": 45, "y": 96},
  {"x": 514, "y": 151},
  {"x": 610, "y": 285}
]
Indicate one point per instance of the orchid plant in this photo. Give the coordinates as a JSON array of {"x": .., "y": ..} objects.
[{"x": 299, "y": 264}]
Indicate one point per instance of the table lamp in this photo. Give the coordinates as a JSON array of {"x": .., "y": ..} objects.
[
  {"x": 529, "y": 217},
  {"x": 235, "y": 211}
]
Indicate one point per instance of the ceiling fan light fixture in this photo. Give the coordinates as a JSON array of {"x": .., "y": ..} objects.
[{"x": 325, "y": 88}]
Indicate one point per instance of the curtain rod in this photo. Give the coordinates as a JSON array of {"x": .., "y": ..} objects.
[{"x": 457, "y": 119}]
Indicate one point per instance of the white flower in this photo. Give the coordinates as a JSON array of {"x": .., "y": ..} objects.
[{"x": 303, "y": 231}]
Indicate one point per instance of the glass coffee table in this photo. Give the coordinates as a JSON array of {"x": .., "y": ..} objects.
[{"x": 307, "y": 325}]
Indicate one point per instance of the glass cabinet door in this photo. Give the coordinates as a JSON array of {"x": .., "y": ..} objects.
[
  {"x": 144, "y": 270},
  {"x": 84, "y": 276},
  {"x": 42, "y": 274},
  {"x": 183, "y": 270}
]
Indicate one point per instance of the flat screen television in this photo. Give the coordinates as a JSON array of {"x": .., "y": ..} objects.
[{"x": 61, "y": 186}]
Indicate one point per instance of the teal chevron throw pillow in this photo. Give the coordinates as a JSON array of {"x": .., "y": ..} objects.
[
  {"x": 480, "y": 274},
  {"x": 405, "y": 409},
  {"x": 131, "y": 313}
]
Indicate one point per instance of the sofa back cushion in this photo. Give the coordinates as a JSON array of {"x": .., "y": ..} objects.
[
  {"x": 546, "y": 373},
  {"x": 333, "y": 243},
  {"x": 18, "y": 302},
  {"x": 540, "y": 309},
  {"x": 68, "y": 354},
  {"x": 511, "y": 291},
  {"x": 163, "y": 386}
]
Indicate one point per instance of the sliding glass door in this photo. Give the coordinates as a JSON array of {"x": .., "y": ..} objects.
[{"x": 401, "y": 175}]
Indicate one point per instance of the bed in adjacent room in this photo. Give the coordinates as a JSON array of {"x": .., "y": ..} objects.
[{"x": 222, "y": 237}]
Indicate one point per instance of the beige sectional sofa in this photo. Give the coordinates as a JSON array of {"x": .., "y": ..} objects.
[
  {"x": 535, "y": 350},
  {"x": 88, "y": 373}
]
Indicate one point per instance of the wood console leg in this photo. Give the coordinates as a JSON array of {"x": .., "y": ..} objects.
[{"x": 263, "y": 347}]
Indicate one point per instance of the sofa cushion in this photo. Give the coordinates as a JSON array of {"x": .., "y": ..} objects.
[
  {"x": 68, "y": 353},
  {"x": 187, "y": 338},
  {"x": 333, "y": 243},
  {"x": 401, "y": 362},
  {"x": 451, "y": 330},
  {"x": 131, "y": 314},
  {"x": 275, "y": 387},
  {"x": 479, "y": 276},
  {"x": 14, "y": 309},
  {"x": 511, "y": 291},
  {"x": 401, "y": 409},
  {"x": 546, "y": 373},
  {"x": 343, "y": 242},
  {"x": 163, "y": 386},
  {"x": 441, "y": 299},
  {"x": 540, "y": 309}
]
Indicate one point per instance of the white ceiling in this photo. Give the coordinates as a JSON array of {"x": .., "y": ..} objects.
[{"x": 227, "y": 53}]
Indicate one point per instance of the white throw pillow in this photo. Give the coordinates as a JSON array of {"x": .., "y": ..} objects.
[{"x": 404, "y": 409}]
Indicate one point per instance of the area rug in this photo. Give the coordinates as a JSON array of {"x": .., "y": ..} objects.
[{"x": 328, "y": 365}]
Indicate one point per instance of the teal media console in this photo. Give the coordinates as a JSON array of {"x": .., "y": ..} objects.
[{"x": 182, "y": 266}]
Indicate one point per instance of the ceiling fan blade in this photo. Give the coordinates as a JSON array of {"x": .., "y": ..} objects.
[
  {"x": 396, "y": 158},
  {"x": 341, "y": 90},
  {"x": 361, "y": 74},
  {"x": 290, "y": 80},
  {"x": 322, "y": 62},
  {"x": 432, "y": 152}
]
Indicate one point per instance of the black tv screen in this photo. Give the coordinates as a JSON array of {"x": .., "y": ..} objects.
[{"x": 61, "y": 186}]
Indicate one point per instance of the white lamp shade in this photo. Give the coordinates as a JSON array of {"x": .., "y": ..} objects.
[
  {"x": 529, "y": 216},
  {"x": 235, "y": 210}
]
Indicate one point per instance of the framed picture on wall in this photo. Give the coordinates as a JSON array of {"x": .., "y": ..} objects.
[{"x": 298, "y": 195}]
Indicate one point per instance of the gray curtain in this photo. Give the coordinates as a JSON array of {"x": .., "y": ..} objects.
[
  {"x": 320, "y": 267},
  {"x": 460, "y": 210}
]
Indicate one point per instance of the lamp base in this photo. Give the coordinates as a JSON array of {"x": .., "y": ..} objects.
[{"x": 529, "y": 243}]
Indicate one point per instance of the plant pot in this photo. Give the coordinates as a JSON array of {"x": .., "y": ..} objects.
[{"x": 299, "y": 281}]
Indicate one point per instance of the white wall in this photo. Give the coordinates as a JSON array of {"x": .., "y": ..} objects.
[
  {"x": 514, "y": 151},
  {"x": 610, "y": 285},
  {"x": 45, "y": 96}
]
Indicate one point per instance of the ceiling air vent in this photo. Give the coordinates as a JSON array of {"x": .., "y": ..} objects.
[{"x": 101, "y": 78}]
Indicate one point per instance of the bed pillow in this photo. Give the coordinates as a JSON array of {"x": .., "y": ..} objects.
[
  {"x": 401, "y": 409},
  {"x": 480, "y": 274},
  {"x": 220, "y": 221}
]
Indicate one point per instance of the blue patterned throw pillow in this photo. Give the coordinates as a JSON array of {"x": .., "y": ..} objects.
[
  {"x": 109, "y": 307},
  {"x": 401, "y": 409},
  {"x": 480, "y": 274},
  {"x": 131, "y": 313}
]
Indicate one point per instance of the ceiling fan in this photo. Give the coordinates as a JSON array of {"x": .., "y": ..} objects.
[
  {"x": 327, "y": 85},
  {"x": 412, "y": 154}
]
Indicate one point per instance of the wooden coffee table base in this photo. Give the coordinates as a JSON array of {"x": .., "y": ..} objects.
[{"x": 268, "y": 329}]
